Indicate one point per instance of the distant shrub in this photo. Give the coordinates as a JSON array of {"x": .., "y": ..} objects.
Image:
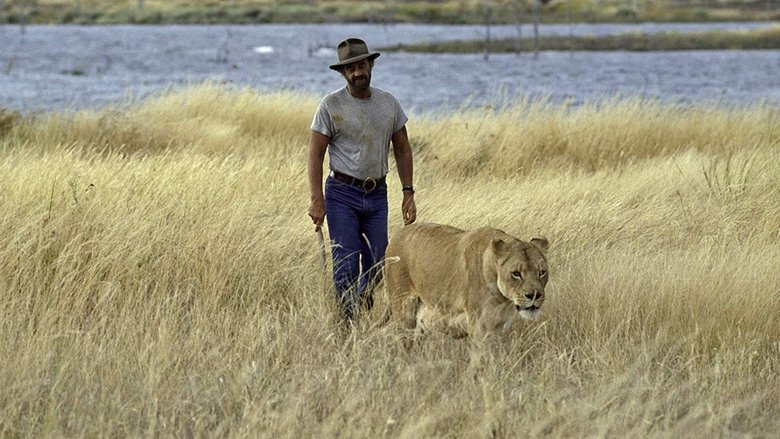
[
  {"x": 254, "y": 14},
  {"x": 80, "y": 16},
  {"x": 700, "y": 15},
  {"x": 626, "y": 13},
  {"x": 7, "y": 121}
]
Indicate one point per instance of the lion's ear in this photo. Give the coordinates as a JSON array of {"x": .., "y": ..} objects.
[
  {"x": 540, "y": 243},
  {"x": 499, "y": 246}
]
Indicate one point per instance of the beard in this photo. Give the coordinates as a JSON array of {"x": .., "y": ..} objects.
[{"x": 360, "y": 83}]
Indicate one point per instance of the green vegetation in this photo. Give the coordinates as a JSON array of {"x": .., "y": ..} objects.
[
  {"x": 159, "y": 275},
  {"x": 414, "y": 11},
  {"x": 767, "y": 38}
]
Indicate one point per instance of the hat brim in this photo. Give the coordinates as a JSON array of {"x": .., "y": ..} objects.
[{"x": 354, "y": 59}]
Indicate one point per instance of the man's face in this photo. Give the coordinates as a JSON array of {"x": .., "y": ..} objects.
[{"x": 358, "y": 75}]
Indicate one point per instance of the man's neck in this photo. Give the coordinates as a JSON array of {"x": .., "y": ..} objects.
[{"x": 363, "y": 94}]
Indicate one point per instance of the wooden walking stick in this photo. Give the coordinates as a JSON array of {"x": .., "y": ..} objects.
[{"x": 323, "y": 253}]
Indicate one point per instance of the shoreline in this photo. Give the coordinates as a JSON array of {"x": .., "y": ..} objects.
[
  {"x": 420, "y": 12},
  {"x": 758, "y": 39}
]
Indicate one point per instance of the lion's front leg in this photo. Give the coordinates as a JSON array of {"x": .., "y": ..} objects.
[
  {"x": 404, "y": 311},
  {"x": 458, "y": 326},
  {"x": 484, "y": 349},
  {"x": 487, "y": 327}
]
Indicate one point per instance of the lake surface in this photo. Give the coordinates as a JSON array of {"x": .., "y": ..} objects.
[{"x": 55, "y": 67}]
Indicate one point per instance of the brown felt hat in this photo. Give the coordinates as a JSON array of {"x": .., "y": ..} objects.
[{"x": 353, "y": 50}]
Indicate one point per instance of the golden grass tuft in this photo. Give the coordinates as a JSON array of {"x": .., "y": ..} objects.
[{"x": 159, "y": 275}]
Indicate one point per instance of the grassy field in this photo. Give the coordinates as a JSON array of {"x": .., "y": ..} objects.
[
  {"x": 414, "y": 11},
  {"x": 762, "y": 39},
  {"x": 159, "y": 275}
]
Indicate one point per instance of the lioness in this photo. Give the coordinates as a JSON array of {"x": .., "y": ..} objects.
[{"x": 465, "y": 282}]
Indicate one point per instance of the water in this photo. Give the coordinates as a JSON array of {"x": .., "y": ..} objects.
[{"x": 55, "y": 67}]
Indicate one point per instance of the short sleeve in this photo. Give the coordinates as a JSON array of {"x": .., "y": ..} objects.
[
  {"x": 322, "y": 122},
  {"x": 400, "y": 117}
]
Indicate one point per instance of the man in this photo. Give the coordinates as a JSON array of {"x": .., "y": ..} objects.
[{"x": 357, "y": 123}]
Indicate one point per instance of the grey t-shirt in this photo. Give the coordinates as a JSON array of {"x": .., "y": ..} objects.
[{"x": 359, "y": 130}]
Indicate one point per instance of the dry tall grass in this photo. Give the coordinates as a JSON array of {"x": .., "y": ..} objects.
[{"x": 159, "y": 275}]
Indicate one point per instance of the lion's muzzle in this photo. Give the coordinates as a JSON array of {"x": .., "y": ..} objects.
[
  {"x": 535, "y": 298},
  {"x": 530, "y": 307}
]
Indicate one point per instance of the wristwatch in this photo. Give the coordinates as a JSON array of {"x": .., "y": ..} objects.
[{"x": 409, "y": 188}]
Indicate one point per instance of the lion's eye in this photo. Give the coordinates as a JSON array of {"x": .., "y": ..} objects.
[{"x": 517, "y": 275}]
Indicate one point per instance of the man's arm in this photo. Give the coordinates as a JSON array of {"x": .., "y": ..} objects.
[
  {"x": 317, "y": 146},
  {"x": 402, "y": 151}
]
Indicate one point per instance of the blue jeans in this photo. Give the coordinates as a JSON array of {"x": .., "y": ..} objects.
[{"x": 357, "y": 224}]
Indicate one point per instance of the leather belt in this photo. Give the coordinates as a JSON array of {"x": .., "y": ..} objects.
[{"x": 368, "y": 185}]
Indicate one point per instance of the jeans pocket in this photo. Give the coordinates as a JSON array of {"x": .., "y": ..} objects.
[{"x": 339, "y": 191}]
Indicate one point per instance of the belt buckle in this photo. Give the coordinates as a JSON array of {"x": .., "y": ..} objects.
[{"x": 369, "y": 184}]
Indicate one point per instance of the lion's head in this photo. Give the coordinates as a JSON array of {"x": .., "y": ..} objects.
[{"x": 521, "y": 270}]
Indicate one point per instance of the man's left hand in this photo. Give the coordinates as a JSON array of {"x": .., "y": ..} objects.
[{"x": 408, "y": 208}]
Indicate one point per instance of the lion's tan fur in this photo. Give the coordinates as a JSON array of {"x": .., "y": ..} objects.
[{"x": 463, "y": 282}]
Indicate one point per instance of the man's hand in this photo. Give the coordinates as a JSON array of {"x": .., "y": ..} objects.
[
  {"x": 408, "y": 208},
  {"x": 317, "y": 212}
]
